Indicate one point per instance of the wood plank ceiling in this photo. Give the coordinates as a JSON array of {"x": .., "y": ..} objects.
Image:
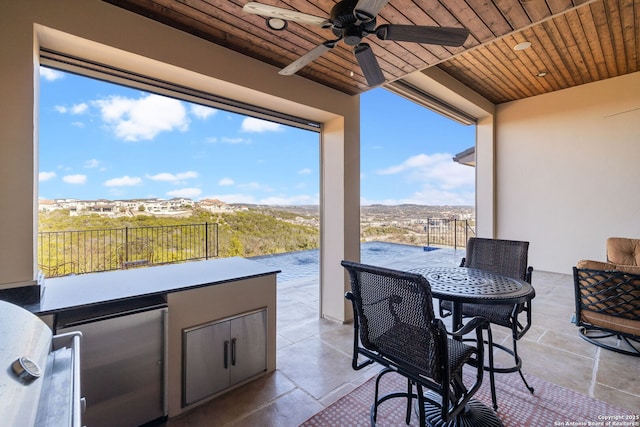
[{"x": 573, "y": 42}]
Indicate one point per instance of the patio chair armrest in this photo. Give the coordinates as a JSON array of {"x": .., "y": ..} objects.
[
  {"x": 355, "y": 363},
  {"x": 528, "y": 276},
  {"x": 473, "y": 324}
]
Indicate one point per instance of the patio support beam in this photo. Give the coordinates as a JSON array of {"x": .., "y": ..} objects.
[
  {"x": 340, "y": 210},
  {"x": 485, "y": 178},
  {"x": 18, "y": 158}
]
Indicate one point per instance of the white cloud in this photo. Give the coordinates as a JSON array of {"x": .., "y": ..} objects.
[
  {"x": 190, "y": 193},
  {"x": 75, "y": 179},
  {"x": 418, "y": 162},
  {"x": 202, "y": 112},
  {"x": 227, "y": 140},
  {"x": 251, "y": 124},
  {"x": 225, "y": 182},
  {"x": 46, "y": 176},
  {"x": 170, "y": 177},
  {"x": 79, "y": 108},
  {"x": 50, "y": 75},
  {"x": 74, "y": 109},
  {"x": 441, "y": 180},
  {"x": 125, "y": 181},
  {"x": 91, "y": 164},
  {"x": 143, "y": 118},
  {"x": 305, "y": 171}
]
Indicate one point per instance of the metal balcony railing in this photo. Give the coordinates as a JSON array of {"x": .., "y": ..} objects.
[
  {"x": 61, "y": 253},
  {"x": 448, "y": 232}
]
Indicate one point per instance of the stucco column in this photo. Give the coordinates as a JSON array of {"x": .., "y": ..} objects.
[
  {"x": 18, "y": 171},
  {"x": 485, "y": 178},
  {"x": 340, "y": 210}
]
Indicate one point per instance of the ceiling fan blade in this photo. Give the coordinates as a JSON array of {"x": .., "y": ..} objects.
[
  {"x": 366, "y": 10},
  {"x": 286, "y": 14},
  {"x": 369, "y": 64},
  {"x": 306, "y": 59},
  {"x": 445, "y": 36}
]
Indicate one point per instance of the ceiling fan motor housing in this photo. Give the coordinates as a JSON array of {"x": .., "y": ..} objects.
[{"x": 346, "y": 24}]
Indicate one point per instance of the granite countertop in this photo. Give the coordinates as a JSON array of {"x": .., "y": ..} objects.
[{"x": 63, "y": 293}]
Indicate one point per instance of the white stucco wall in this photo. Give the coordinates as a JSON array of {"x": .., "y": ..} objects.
[
  {"x": 98, "y": 31},
  {"x": 567, "y": 171}
]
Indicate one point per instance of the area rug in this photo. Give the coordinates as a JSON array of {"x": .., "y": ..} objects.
[{"x": 550, "y": 406}]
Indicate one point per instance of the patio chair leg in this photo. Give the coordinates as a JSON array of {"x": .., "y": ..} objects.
[
  {"x": 515, "y": 354},
  {"x": 492, "y": 380},
  {"x": 409, "y": 401}
]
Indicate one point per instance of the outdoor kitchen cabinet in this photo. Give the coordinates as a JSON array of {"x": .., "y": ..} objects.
[
  {"x": 122, "y": 360},
  {"x": 221, "y": 354}
]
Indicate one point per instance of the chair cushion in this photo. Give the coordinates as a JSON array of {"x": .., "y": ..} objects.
[
  {"x": 614, "y": 323},
  {"x": 498, "y": 314},
  {"x": 623, "y": 251},
  {"x": 607, "y": 266}
]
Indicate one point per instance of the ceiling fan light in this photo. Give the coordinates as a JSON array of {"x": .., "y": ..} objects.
[
  {"x": 522, "y": 46},
  {"x": 276, "y": 24}
]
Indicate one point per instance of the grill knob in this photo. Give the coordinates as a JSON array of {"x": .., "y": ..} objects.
[{"x": 26, "y": 369}]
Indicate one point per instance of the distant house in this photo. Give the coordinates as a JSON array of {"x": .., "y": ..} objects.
[
  {"x": 213, "y": 205},
  {"x": 46, "y": 205}
]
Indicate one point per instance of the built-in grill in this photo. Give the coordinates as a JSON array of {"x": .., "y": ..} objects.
[{"x": 39, "y": 372}]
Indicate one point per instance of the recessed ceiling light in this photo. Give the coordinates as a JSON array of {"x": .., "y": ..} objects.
[
  {"x": 276, "y": 24},
  {"x": 541, "y": 74},
  {"x": 522, "y": 46}
]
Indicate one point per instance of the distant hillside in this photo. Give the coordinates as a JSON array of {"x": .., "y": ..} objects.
[
  {"x": 252, "y": 230},
  {"x": 246, "y": 233}
]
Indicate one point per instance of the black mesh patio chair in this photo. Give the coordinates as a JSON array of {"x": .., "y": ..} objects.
[
  {"x": 608, "y": 306},
  {"x": 395, "y": 326},
  {"x": 508, "y": 258}
]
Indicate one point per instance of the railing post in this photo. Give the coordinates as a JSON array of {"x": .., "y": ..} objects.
[
  {"x": 466, "y": 230},
  {"x": 428, "y": 231},
  {"x": 206, "y": 240},
  {"x": 455, "y": 233},
  {"x": 126, "y": 244},
  {"x": 217, "y": 240}
]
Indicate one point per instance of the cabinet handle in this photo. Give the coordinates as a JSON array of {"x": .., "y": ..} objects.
[
  {"x": 233, "y": 351},
  {"x": 226, "y": 354}
]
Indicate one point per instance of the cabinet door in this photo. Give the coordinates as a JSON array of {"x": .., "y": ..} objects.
[
  {"x": 206, "y": 361},
  {"x": 248, "y": 346}
]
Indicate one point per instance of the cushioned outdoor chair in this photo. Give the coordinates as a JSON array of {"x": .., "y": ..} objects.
[
  {"x": 507, "y": 258},
  {"x": 395, "y": 326},
  {"x": 608, "y": 305}
]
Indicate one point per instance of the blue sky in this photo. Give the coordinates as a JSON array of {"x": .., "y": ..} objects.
[{"x": 104, "y": 141}]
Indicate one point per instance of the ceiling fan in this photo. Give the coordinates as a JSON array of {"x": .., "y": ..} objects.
[{"x": 352, "y": 21}]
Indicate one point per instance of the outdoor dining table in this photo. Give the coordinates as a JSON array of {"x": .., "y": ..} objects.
[{"x": 468, "y": 285}]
